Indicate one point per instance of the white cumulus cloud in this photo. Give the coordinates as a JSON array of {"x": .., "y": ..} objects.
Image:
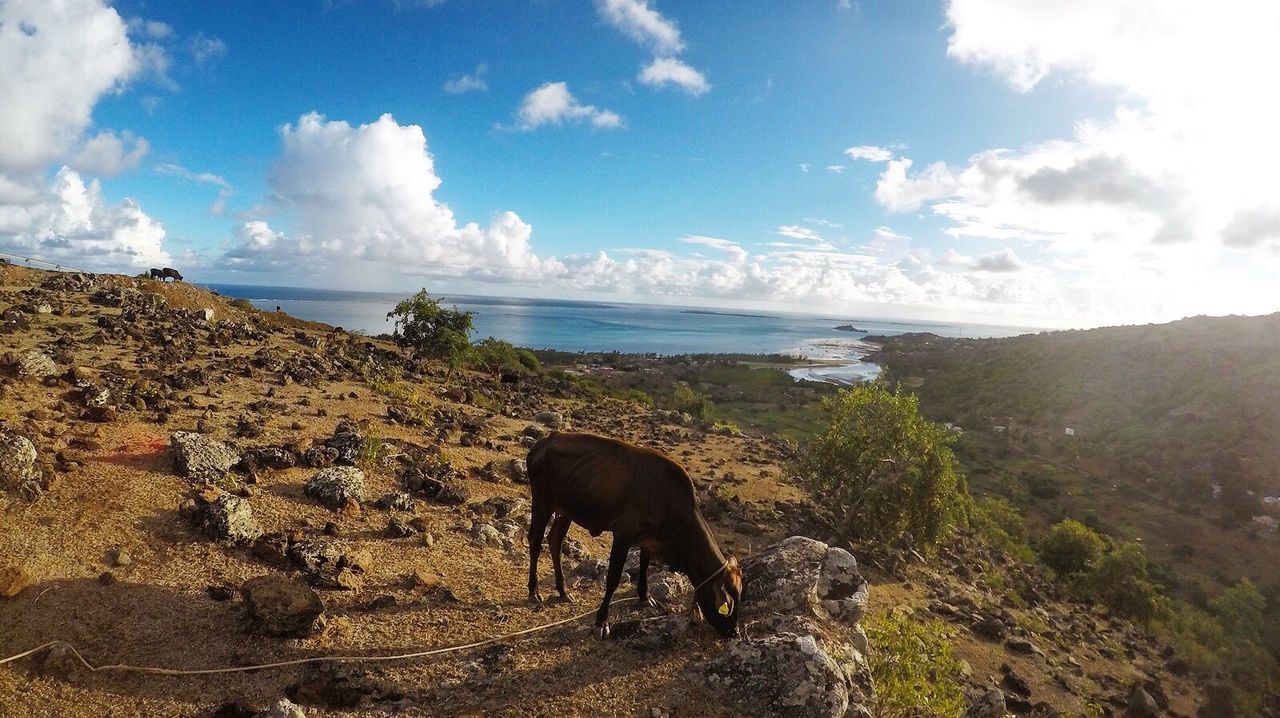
[
  {"x": 463, "y": 83},
  {"x": 665, "y": 71},
  {"x": 640, "y": 22},
  {"x": 553, "y": 104},
  {"x": 366, "y": 193},
  {"x": 109, "y": 154},
  {"x": 870, "y": 153}
]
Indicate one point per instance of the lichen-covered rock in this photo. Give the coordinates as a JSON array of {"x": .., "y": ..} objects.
[
  {"x": 285, "y": 708},
  {"x": 788, "y": 674},
  {"x": 17, "y": 461},
  {"x": 348, "y": 441},
  {"x": 36, "y": 365},
  {"x": 337, "y": 486},
  {"x": 550, "y": 419},
  {"x": 200, "y": 457},
  {"x": 518, "y": 470},
  {"x": 280, "y": 606},
  {"x": 805, "y": 576},
  {"x": 271, "y": 457},
  {"x": 650, "y": 634},
  {"x": 989, "y": 704},
  {"x": 229, "y": 518}
]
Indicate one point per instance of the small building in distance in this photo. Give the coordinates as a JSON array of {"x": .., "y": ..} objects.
[{"x": 1069, "y": 431}]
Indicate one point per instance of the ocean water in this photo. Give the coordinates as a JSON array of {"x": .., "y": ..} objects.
[{"x": 633, "y": 328}]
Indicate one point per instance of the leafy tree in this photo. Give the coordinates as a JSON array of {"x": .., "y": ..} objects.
[
  {"x": 1120, "y": 582},
  {"x": 913, "y": 668},
  {"x": 886, "y": 473},
  {"x": 430, "y": 330},
  {"x": 1069, "y": 547},
  {"x": 1240, "y": 609}
]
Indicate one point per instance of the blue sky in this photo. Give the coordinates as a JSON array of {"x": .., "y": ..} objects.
[{"x": 1015, "y": 165}]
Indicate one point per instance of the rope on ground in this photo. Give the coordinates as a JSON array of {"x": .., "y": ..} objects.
[{"x": 122, "y": 667}]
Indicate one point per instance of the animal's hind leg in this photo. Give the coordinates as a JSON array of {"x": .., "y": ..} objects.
[
  {"x": 617, "y": 559},
  {"x": 537, "y": 527},
  {"x": 642, "y": 582},
  {"x": 555, "y": 540}
]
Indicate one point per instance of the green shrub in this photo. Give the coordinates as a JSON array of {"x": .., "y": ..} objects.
[
  {"x": 1069, "y": 547},
  {"x": 243, "y": 304},
  {"x": 1002, "y": 524},
  {"x": 638, "y": 396},
  {"x": 429, "y": 330},
  {"x": 529, "y": 361},
  {"x": 691, "y": 402},
  {"x": 887, "y": 475},
  {"x": 913, "y": 669},
  {"x": 1239, "y": 610},
  {"x": 1120, "y": 582},
  {"x": 496, "y": 355}
]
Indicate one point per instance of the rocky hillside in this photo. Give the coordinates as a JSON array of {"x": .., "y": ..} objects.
[{"x": 188, "y": 484}]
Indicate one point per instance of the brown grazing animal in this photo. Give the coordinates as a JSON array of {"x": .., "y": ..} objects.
[
  {"x": 646, "y": 499},
  {"x": 157, "y": 274},
  {"x": 171, "y": 273}
]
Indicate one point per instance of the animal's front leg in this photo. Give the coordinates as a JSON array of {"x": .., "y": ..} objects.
[{"x": 617, "y": 559}]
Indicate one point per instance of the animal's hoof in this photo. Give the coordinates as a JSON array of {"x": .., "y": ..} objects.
[
  {"x": 566, "y": 597},
  {"x": 535, "y": 598},
  {"x": 649, "y": 601},
  {"x": 602, "y": 632}
]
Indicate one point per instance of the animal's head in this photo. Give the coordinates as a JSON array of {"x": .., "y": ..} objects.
[{"x": 719, "y": 599}]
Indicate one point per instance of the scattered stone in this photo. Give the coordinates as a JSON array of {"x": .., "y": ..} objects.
[
  {"x": 1140, "y": 703},
  {"x": 271, "y": 457},
  {"x": 1021, "y": 645},
  {"x": 987, "y": 705},
  {"x": 120, "y": 557},
  {"x": 285, "y": 708},
  {"x": 13, "y": 580},
  {"x": 220, "y": 592},
  {"x": 399, "y": 529},
  {"x": 318, "y": 457},
  {"x": 396, "y": 501},
  {"x": 650, "y": 634},
  {"x": 37, "y": 365},
  {"x": 518, "y": 470},
  {"x": 17, "y": 461},
  {"x": 990, "y": 628},
  {"x": 228, "y": 517},
  {"x": 337, "y": 487},
  {"x": 535, "y": 432},
  {"x": 348, "y": 441},
  {"x": 200, "y": 457},
  {"x": 381, "y": 602},
  {"x": 280, "y": 606},
  {"x": 550, "y": 419}
]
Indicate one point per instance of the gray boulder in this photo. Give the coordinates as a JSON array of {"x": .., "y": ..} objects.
[
  {"x": 803, "y": 576},
  {"x": 229, "y": 518},
  {"x": 337, "y": 486},
  {"x": 987, "y": 705},
  {"x": 793, "y": 665},
  {"x": 790, "y": 673},
  {"x": 36, "y": 365},
  {"x": 550, "y": 419},
  {"x": 200, "y": 457},
  {"x": 17, "y": 460}
]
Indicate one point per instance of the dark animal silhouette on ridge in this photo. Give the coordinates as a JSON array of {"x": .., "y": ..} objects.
[
  {"x": 646, "y": 499},
  {"x": 167, "y": 272}
]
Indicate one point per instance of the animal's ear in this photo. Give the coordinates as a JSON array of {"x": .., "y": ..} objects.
[{"x": 734, "y": 572}]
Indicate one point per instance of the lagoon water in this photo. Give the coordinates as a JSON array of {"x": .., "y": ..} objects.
[{"x": 614, "y": 326}]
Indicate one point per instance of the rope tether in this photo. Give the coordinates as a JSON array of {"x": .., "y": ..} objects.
[{"x": 300, "y": 661}]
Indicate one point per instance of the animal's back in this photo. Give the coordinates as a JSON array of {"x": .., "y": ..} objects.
[{"x": 608, "y": 485}]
